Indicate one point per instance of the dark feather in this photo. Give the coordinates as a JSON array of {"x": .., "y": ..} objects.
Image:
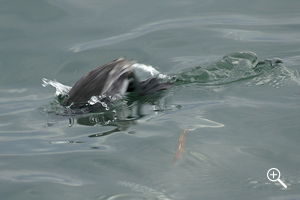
[
  {"x": 112, "y": 79},
  {"x": 108, "y": 79},
  {"x": 152, "y": 86}
]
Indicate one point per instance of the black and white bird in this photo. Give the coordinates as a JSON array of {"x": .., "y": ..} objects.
[{"x": 111, "y": 80}]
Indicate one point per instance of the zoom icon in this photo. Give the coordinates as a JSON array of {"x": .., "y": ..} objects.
[{"x": 274, "y": 175}]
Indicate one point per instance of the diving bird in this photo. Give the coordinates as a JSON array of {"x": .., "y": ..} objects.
[{"x": 110, "y": 82}]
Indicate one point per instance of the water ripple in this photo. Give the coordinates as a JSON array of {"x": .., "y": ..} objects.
[
  {"x": 36, "y": 176},
  {"x": 184, "y": 22}
]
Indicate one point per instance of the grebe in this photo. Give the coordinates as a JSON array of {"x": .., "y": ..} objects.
[{"x": 112, "y": 81}]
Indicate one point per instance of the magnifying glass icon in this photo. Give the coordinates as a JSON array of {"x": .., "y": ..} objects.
[{"x": 274, "y": 175}]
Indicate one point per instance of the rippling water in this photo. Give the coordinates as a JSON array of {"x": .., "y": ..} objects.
[{"x": 235, "y": 71}]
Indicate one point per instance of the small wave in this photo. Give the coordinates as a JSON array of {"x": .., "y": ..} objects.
[
  {"x": 236, "y": 67},
  {"x": 150, "y": 193},
  {"x": 38, "y": 176},
  {"x": 232, "y": 67},
  {"x": 274, "y": 73}
]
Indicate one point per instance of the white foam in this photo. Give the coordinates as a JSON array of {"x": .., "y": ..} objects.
[
  {"x": 60, "y": 88},
  {"x": 147, "y": 71}
]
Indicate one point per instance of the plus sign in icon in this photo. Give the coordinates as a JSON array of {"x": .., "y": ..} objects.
[{"x": 274, "y": 175}]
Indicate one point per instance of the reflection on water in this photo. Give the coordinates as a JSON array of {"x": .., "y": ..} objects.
[
  {"x": 35, "y": 176},
  {"x": 66, "y": 142},
  {"x": 179, "y": 149},
  {"x": 149, "y": 193}
]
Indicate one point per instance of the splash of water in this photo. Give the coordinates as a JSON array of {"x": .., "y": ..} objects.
[
  {"x": 147, "y": 71},
  {"x": 143, "y": 71},
  {"x": 62, "y": 91},
  {"x": 60, "y": 88}
]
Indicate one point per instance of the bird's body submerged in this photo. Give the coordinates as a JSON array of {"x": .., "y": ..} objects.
[{"x": 111, "y": 80}]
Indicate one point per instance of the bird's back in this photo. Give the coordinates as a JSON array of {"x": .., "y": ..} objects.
[{"x": 110, "y": 79}]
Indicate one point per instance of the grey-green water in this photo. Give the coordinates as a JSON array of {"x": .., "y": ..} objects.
[{"x": 241, "y": 121}]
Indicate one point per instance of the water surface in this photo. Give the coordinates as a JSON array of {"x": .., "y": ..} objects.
[{"x": 235, "y": 69}]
